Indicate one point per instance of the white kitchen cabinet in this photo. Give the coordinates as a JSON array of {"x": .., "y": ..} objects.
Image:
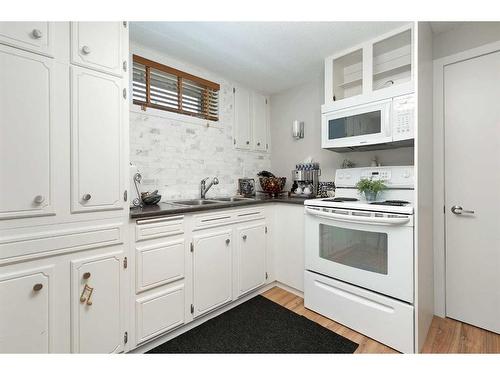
[
  {"x": 26, "y": 311},
  {"x": 288, "y": 245},
  {"x": 259, "y": 122},
  {"x": 98, "y": 45},
  {"x": 26, "y": 125},
  {"x": 250, "y": 120},
  {"x": 242, "y": 117},
  {"x": 377, "y": 69},
  {"x": 97, "y": 141},
  {"x": 212, "y": 270},
  {"x": 251, "y": 256},
  {"x": 159, "y": 312},
  {"x": 98, "y": 303},
  {"x": 31, "y": 36}
]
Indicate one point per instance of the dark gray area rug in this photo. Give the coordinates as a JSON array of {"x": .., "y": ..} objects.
[{"x": 258, "y": 326}]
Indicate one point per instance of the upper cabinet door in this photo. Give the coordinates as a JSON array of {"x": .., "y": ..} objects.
[
  {"x": 97, "y": 146},
  {"x": 26, "y": 119},
  {"x": 98, "y": 45},
  {"x": 259, "y": 122},
  {"x": 31, "y": 36},
  {"x": 98, "y": 301},
  {"x": 242, "y": 129}
]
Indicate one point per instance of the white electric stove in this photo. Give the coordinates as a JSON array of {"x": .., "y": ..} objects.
[{"x": 359, "y": 255}]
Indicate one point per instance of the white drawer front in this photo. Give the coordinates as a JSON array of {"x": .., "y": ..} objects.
[
  {"x": 381, "y": 318},
  {"x": 215, "y": 219},
  {"x": 155, "y": 228},
  {"x": 159, "y": 313},
  {"x": 31, "y": 36},
  {"x": 159, "y": 264}
]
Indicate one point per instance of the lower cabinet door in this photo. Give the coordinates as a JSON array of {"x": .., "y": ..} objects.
[
  {"x": 98, "y": 304},
  {"x": 159, "y": 312},
  {"x": 251, "y": 257},
  {"x": 25, "y": 311},
  {"x": 212, "y": 271}
]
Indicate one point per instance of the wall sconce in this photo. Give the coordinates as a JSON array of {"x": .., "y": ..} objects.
[{"x": 298, "y": 129}]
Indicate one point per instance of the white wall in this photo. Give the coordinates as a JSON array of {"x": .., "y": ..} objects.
[
  {"x": 174, "y": 152},
  {"x": 424, "y": 267},
  {"x": 465, "y": 36},
  {"x": 303, "y": 103}
]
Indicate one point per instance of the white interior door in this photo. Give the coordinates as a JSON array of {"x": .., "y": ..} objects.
[{"x": 472, "y": 183}]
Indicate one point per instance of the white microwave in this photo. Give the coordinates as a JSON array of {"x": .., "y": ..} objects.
[{"x": 382, "y": 124}]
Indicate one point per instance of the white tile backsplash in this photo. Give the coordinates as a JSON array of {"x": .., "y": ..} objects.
[{"x": 174, "y": 152}]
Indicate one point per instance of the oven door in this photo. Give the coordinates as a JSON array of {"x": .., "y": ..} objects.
[
  {"x": 358, "y": 126},
  {"x": 367, "y": 249}
]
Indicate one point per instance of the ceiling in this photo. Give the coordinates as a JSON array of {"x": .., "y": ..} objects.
[{"x": 266, "y": 56}]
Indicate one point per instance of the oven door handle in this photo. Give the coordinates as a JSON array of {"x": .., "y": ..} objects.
[{"x": 360, "y": 219}]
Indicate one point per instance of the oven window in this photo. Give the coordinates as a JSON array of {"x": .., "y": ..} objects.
[
  {"x": 352, "y": 126},
  {"x": 354, "y": 248}
]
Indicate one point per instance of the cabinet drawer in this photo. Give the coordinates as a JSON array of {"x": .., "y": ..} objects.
[
  {"x": 155, "y": 228},
  {"x": 249, "y": 214},
  {"x": 159, "y": 313},
  {"x": 159, "y": 264},
  {"x": 31, "y": 36},
  {"x": 384, "y": 319},
  {"x": 213, "y": 219}
]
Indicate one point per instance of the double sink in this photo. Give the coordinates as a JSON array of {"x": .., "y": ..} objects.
[{"x": 202, "y": 202}]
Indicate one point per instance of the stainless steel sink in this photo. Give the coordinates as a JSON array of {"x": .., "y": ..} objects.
[
  {"x": 231, "y": 199},
  {"x": 195, "y": 202}
]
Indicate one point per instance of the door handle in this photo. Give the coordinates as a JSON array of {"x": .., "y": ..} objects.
[{"x": 458, "y": 210}]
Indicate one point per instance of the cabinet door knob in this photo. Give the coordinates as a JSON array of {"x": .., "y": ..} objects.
[
  {"x": 248, "y": 142},
  {"x": 37, "y": 287},
  {"x": 244, "y": 236},
  {"x": 39, "y": 199},
  {"x": 86, "y": 197},
  {"x": 258, "y": 143},
  {"x": 85, "y": 50},
  {"x": 228, "y": 241},
  {"x": 86, "y": 275},
  {"x": 36, "y": 34}
]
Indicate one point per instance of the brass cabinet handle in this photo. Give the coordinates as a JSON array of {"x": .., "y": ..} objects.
[
  {"x": 37, "y": 287},
  {"x": 86, "y": 275}
]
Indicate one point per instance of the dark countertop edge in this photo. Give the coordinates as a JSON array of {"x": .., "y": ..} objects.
[{"x": 166, "y": 209}]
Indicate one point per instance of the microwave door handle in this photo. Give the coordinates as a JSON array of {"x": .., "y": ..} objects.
[{"x": 360, "y": 219}]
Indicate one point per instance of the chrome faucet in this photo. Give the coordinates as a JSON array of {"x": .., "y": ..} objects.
[{"x": 204, "y": 188}]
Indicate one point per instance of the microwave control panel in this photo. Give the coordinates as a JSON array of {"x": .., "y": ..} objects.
[{"x": 404, "y": 117}]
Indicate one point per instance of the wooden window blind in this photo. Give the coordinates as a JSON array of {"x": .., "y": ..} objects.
[{"x": 162, "y": 87}]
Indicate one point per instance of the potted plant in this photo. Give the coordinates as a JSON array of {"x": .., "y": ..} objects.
[{"x": 370, "y": 188}]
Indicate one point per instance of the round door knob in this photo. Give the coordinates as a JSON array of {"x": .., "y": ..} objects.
[
  {"x": 228, "y": 241},
  {"x": 86, "y": 275},
  {"x": 248, "y": 142},
  {"x": 85, "y": 50},
  {"x": 36, "y": 34},
  {"x": 258, "y": 143},
  {"x": 37, "y": 287},
  {"x": 244, "y": 236},
  {"x": 86, "y": 197},
  {"x": 39, "y": 199}
]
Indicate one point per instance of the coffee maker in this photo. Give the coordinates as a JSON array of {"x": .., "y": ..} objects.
[{"x": 305, "y": 179}]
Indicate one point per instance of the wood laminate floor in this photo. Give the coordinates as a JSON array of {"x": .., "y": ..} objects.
[{"x": 445, "y": 335}]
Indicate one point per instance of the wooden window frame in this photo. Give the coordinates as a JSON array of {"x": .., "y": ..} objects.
[{"x": 148, "y": 64}]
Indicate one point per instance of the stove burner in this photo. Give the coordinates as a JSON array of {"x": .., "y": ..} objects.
[
  {"x": 391, "y": 203},
  {"x": 340, "y": 199}
]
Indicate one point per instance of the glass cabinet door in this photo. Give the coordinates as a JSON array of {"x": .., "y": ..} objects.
[{"x": 359, "y": 249}]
